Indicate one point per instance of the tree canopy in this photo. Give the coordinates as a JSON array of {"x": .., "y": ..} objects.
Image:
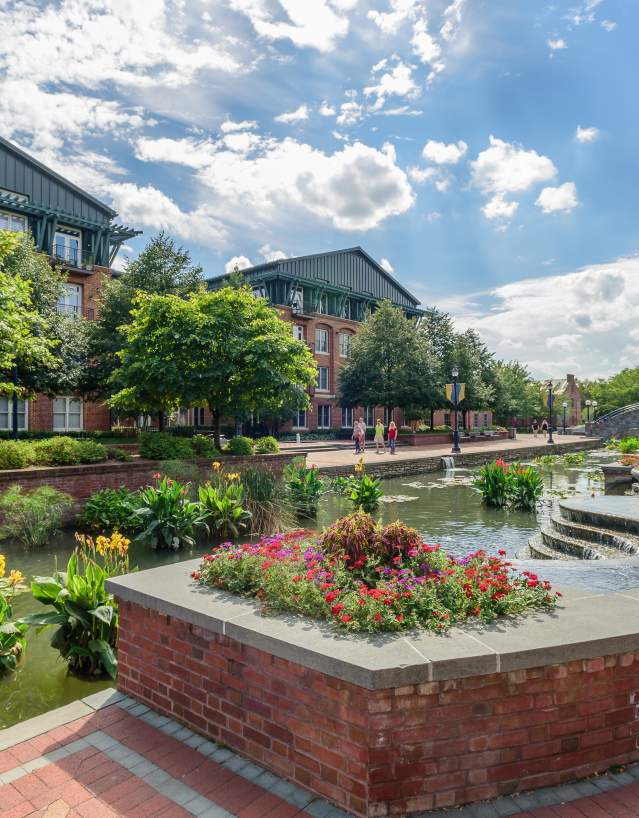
[{"x": 614, "y": 392}]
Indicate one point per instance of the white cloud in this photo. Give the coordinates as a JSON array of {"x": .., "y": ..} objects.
[
  {"x": 237, "y": 263},
  {"x": 355, "y": 188},
  {"x": 562, "y": 198},
  {"x": 556, "y": 45},
  {"x": 608, "y": 25},
  {"x": 420, "y": 175},
  {"x": 499, "y": 208},
  {"x": 269, "y": 254},
  {"x": 385, "y": 263},
  {"x": 351, "y": 111},
  {"x": 228, "y": 126},
  {"x": 341, "y": 137},
  {"x": 583, "y": 13},
  {"x": 425, "y": 46},
  {"x": 380, "y": 65},
  {"x": 452, "y": 19},
  {"x": 442, "y": 183},
  {"x": 443, "y": 154},
  {"x": 586, "y": 134},
  {"x": 327, "y": 110},
  {"x": 433, "y": 216},
  {"x": 396, "y": 82},
  {"x": 320, "y": 24},
  {"x": 597, "y": 308},
  {"x": 389, "y": 22},
  {"x": 401, "y": 110},
  {"x": 294, "y": 116},
  {"x": 506, "y": 167}
]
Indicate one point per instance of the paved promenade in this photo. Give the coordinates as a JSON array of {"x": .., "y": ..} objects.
[
  {"x": 109, "y": 757},
  {"x": 344, "y": 454}
]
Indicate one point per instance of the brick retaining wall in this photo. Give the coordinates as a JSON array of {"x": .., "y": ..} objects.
[{"x": 391, "y": 751}]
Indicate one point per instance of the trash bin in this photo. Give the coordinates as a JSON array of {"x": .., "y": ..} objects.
[{"x": 512, "y": 433}]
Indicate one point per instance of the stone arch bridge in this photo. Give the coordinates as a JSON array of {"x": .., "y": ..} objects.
[{"x": 621, "y": 422}]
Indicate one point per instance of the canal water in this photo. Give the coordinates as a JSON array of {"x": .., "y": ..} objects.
[{"x": 444, "y": 507}]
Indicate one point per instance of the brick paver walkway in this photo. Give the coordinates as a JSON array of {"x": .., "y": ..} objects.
[{"x": 125, "y": 760}]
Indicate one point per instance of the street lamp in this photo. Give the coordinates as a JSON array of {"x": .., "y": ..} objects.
[
  {"x": 565, "y": 405},
  {"x": 588, "y": 405},
  {"x": 550, "y": 403},
  {"x": 455, "y": 397},
  {"x": 594, "y": 410}
]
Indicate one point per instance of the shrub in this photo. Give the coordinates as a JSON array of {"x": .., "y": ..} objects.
[
  {"x": 116, "y": 453},
  {"x": 239, "y": 445},
  {"x": 167, "y": 515},
  {"x": 33, "y": 518},
  {"x": 163, "y": 446},
  {"x": 266, "y": 498},
  {"x": 111, "y": 510},
  {"x": 85, "y": 612},
  {"x": 424, "y": 587},
  {"x": 91, "y": 452},
  {"x": 628, "y": 445},
  {"x": 13, "y": 454},
  {"x": 222, "y": 508},
  {"x": 305, "y": 487},
  {"x": 267, "y": 445},
  {"x": 443, "y": 428},
  {"x": 12, "y": 634},
  {"x": 203, "y": 446}
]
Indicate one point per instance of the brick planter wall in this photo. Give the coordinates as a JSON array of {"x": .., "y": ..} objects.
[{"x": 390, "y": 751}]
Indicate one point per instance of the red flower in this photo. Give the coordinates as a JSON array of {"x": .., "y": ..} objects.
[
  {"x": 345, "y": 618},
  {"x": 502, "y": 553},
  {"x": 400, "y": 617},
  {"x": 337, "y": 608},
  {"x": 377, "y": 617},
  {"x": 157, "y": 475},
  {"x": 331, "y": 596}
]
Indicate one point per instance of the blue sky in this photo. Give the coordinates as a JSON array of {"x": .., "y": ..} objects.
[{"x": 485, "y": 150}]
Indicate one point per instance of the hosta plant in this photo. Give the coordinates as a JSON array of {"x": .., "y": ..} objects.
[
  {"x": 305, "y": 487},
  {"x": 85, "y": 614},
  {"x": 168, "y": 517},
  {"x": 12, "y": 634},
  {"x": 222, "y": 508}
]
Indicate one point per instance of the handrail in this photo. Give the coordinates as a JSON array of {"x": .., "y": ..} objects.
[{"x": 631, "y": 407}]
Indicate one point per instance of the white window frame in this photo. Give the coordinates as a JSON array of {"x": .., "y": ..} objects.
[
  {"x": 12, "y": 217},
  {"x": 65, "y": 304},
  {"x": 197, "y": 414},
  {"x": 297, "y": 301},
  {"x": 321, "y": 388},
  {"x": 369, "y": 416},
  {"x": 320, "y": 411},
  {"x": 301, "y": 414},
  {"x": 9, "y": 414},
  {"x": 259, "y": 291},
  {"x": 298, "y": 332},
  {"x": 68, "y": 399},
  {"x": 345, "y": 348},
  {"x": 322, "y": 304},
  {"x": 348, "y": 309},
  {"x": 320, "y": 332},
  {"x": 73, "y": 255},
  {"x": 347, "y": 417}
]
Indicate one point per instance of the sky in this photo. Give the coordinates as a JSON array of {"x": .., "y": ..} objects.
[{"x": 484, "y": 151}]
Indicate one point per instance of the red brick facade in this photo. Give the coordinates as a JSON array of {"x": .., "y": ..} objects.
[{"x": 395, "y": 751}]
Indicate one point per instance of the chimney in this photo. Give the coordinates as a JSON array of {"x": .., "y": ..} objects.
[{"x": 571, "y": 380}]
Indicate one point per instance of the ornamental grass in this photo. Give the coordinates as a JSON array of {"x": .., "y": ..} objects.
[{"x": 362, "y": 576}]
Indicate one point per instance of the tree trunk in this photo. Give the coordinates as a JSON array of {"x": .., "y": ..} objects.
[
  {"x": 432, "y": 419},
  {"x": 161, "y": 420},
  {"x": 217, "y": 426}
]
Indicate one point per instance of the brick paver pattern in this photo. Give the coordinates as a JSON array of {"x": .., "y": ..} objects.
[{"x": 125, "y": 760}]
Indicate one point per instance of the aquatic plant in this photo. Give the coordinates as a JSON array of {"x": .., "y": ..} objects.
[
  {"x": 12, "y": 634},
  {"x": 515, "y": 486},
  {"x": 305, "y": 486},
  {"x": 32, "y": 518},
  {"x": 168, "y": 517}
]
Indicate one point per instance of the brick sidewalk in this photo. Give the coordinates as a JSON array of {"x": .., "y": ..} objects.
[{"x": 122, "y": 759}]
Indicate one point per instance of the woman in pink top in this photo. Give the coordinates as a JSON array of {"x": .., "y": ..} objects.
[{"x": 392, "y": 436}]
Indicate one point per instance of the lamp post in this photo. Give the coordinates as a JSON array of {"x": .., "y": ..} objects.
[
  {"x": 550, "y": 403},
  {"x": 455, "y": 397},
  {"x": 594, "y": 410},
  {"x": 565, "y": 405},
  {"x": 588, "y": 405}
]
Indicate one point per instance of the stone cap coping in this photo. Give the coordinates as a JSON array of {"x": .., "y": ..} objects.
[{"x": 585, "y": 625}]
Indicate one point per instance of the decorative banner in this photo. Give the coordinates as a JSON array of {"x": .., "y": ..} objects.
[
  {"x": 455, "y": 392},
  {"x": 549, "y": 401}
]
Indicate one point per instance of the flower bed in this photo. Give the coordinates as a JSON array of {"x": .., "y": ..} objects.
[{"x": 365, "y": 577}]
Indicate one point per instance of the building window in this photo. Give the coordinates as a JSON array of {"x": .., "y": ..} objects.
[
  {"x": 476, "y": 420},
  {"x": 446, "y": 418},
  {"x": 6, "y": 413},
  {"x": 345, "y": 344},
  {"x": 297, "y": 301},
  {"x": 198, "y": 416},
  {"x": 67, "y": 414},
  {"x": 485, "y": 419},
  {"x": 369, "y": 415},
  {"x": 347, "y": 417},
  {"x": 67, "y": 247},
  {"x": 70, "y": 302},
  {"x": 348, "y": 308},
  {"x": 322, "y": 304},
  {"x": 323, "y": 384},
  {"x": 298, "y": 332},
  {"x": 387, "y": 416},
  {"x": 321, "y": 340},
  {"x": 324, "y": 416},
  {"x": 300, "y": 420},
  {"x": 12, "y": 221},
  {"x": 259, "y": 291}
]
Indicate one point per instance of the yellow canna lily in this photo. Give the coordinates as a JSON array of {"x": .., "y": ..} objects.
[
  {"x": 15, "y": 577},
  {"x": 3, "y": 563},
  {"x": 216, "y": 465}
]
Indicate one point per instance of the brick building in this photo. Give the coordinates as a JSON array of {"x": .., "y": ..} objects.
[{"x": 79, "y": 234}]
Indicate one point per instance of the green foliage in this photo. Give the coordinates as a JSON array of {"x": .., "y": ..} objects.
[
  {"x": 117, "y": 453},
  {"x": 240, "y": 446},
  {"x": 181, "y": 471},
  {"x": 13, "y": 454},
  {"x": 163, "y": 446},
  {"x": 68, "y": 451},
  {"x": 526, "y": 489},
  {"x": 493, "y": 483},
  {"x": 514, "y": 486},
  {"x": 12, "y": 634},
  {"x": 268, "y": 501},
  {"x": 203, "y": 446},
  {"x": 266, "y": 445},
  {"x": 167, "y": 515},
  {"x": 85, "y": 613},
  {"x": 628, "y": 445},
  {"x": 111, "y": 510},
  {"x": 612, "y": 393},
  {"x": 363, "y": 491},
  {"x": 305, "y": 487},
  {"x": 32, "y": 518},
  {"x": 91, "y": 451},
  {"x": 222, "y": 508}
]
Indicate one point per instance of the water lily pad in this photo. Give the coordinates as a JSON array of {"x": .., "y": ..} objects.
[{"x": 397, "y": 498}]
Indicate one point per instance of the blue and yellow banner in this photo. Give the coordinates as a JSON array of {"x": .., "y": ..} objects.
[
  {"x": 455, "y": 392},
  {"x": 549, "y": 401}
]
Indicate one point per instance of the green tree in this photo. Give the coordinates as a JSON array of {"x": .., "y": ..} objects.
[
  {"x": 614, "y": 392},
  {"x": 226, "y": 348},
  {"x": 162, "y": 268},
  {"x": 516, "y": 395},
  {"x": 391, "y": 363}
]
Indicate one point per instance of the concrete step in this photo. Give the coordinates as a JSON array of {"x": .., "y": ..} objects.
[
  {"x": 540, "y": 551},
  {"x": 562, "y": 544},
  {"x": 628, "y": 543}
]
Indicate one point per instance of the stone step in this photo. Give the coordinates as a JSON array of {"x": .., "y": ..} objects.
[
  {"x": 579, "y": 549},
  {"x": 540, "y": 551},
  {"x": 593, "y": 534},
  {"x": 612, "y": 513}
]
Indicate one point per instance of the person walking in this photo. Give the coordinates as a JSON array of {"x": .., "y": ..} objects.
[
  {"x": 355, "y": 437},
  {"x": 361, "y": 423},
  {"x": 379, "y": 437},
  {"x": 392, "y": 436},
  {"x": 544, "y": 427},
  {"x": 535, "y": 427}
]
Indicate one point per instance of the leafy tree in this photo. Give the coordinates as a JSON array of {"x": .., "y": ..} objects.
[
  {"x": 162, "y": 268},
  {"x": 225, "y": 348},
  {"x": 391, "y": 363},
  {"x": 614, "y": 392},
  {"x": 516, "y": 395}
]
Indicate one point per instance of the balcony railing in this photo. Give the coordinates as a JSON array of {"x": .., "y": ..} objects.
[
  {"x": 74, "y": 310},
  {"x": 72, "y": 257}
]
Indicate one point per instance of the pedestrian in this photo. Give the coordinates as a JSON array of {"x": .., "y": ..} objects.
[
  {"x": 355, "y": 437},
  {"x": 392, "y": 436},
  {"x": 544, "y": 427},
  {"x": 379, "y": 436},
  {"x": 362, "y": 434},
  {"x": 535, "y": 427}
]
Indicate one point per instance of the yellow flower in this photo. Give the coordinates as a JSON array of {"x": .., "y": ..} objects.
[
  {"x": 233, "y": 476},
  {"x": 359, "y": 466},
  {"x": 15, "y": 577},
  {"x": 2, "y": 564},
  {"x": 216, "y": 465}
]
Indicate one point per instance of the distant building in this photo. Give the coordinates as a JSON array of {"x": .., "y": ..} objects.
[
  {"x": 566, "y": 390},
  {"x": 80, "y": 234}
]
